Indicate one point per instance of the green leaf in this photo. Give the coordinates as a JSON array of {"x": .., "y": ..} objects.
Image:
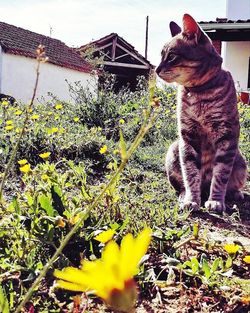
[
  {"x": 194, "y": 265},
  {"x": 123, "y": 149},
  {"x": 215, "y": 264},
  {"x": 4, "y": 304},
  {"x": 16, "y": 205},
  {"x": 206, "y": 268},
  {"x": 46, "y": 204},
  {"x": 196, "y": 230}
]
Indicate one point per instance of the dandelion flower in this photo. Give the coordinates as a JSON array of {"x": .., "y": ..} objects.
[
  {"x": 9, "y": 122},
  {"x": 105, "y": 236},
  {"x": 245, "y": 300},
  {"x": 44, "y": 155},
  {"x": 60, "y": 222},
  {"x": 45, "y": 177},
  {"x": 103, "y": 149},
  {"x": 111, "y": 276},
  {"x": 18, "y": 112},
  {"x": 5, "y": 103},
  {"x": 231, "y": 248},
  {"x": 25, "y": 168},
  {"x": 22, "y": 162},
  {"x": 58, "y": 106},
  {"x": 9, "y": 127},
  {"x": 35, "y": 117},
  {"x": 246, "y": 259}
]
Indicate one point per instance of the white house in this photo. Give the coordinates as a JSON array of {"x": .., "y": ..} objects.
[
  {"x": 18, "y": 65},
  {"x": 231, "y": 37}
]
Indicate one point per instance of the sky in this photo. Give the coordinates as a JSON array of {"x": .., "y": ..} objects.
[{"x": 78, "y": 22}]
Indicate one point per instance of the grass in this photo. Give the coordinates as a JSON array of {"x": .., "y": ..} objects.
[{"x": 187, "y": 268}]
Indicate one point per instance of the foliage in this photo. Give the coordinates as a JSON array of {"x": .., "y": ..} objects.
[{"x": 73, "y": 150}]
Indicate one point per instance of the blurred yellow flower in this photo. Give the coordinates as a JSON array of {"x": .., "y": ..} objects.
[
  {"x": 9, "y": 127},
  {"x": 22, "y": 162},
  {"x": 60, "y": 222},
  {"x": 5, "y": 103},
  {"x": 18, "y": 130},
  {"x": 29, "y": 110},
  {"x": 103, "y": 149},
  {"x": 76, "y": 119},
  {"x": 35, "y": 117},
  {"x": 50, "y": 113},
  {"x": 74, "y": 219},
  {"x": 246, "y": 259},
  {"x": 18, "y": 112},
  {"x": 45, "y": 155},
  {"x": 25, "y": 168},
  {"x": 231, "y": 248},
  {"x": 45, "y": 177},
  {"x": 121, "y": 121},
  {"x": 58, "y": 106},
  {"x": 245, "y": 300},
  {"x": 9, "y": 122},
  {"x": 111, "y": 276},
  {"x": 105, "y": 236},
  {"x": 54, "y": 130}
]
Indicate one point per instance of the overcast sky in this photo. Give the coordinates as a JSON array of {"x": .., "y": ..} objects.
[{"x": 77, "y": 22}]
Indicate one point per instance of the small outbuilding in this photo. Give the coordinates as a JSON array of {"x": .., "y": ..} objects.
[
  {"x": 18, "y": 65},
  {"x": 120, "y": 58}
]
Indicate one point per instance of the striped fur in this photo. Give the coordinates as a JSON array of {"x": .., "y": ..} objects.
[{"x": 205, "y": 160}]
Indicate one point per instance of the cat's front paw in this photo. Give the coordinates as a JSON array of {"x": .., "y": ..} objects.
[
  {"x": 216, "y": 206},
  {"x": 190, "y": 205}
]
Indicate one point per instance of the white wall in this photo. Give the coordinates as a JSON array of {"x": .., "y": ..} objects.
[
  {"x": 19, "y": 73},
  {"x": 238, "y": 9},
  {"x": 236, "y": 60}
]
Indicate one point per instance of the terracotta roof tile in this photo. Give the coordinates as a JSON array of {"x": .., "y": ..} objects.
[{"x": 19, "y": 41}]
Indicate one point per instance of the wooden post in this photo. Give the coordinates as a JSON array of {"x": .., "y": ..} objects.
[{"x": 146, "y": 39}]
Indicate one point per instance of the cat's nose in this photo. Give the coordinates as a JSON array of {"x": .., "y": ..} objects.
[{"x": 158, "y": 70}]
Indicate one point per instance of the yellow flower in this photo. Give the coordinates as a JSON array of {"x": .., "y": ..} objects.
[
  {"x": 9, "y": 122},
  {"x": 50, "y": 113},
  {"x": 45, "y": 177},
  {"x": 35, "y": 117},
  {"x": 231, "y": 248},
  {"x": 105, "y": 236},
  {"x": 44, "y": 155},
  {"x": 245, "y": 300},
  {"x": 58, "y": 106},
  {"x": 9, "y": 127},
  {"x": 103, "y": 149},
  {"x": 76, "y": 119},
  {"x": 111, "y": 276},
  {"x": 121, "y": 121},
  {"x": 18, "y": 112},
  {"x": 18, "y": 130},
  {"x": 25, "y": 168},
  {"x": 246, "y": 259},
  {"x": 5, "y": 103},
  {"x": 22, "y": 162},
  {"x": 74, "y": 219},
  {"x": 60, "y": 222}
]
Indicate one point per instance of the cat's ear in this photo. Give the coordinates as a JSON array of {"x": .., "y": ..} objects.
[
  {"x": 190, "y": 27},
  {"x": 174, "y": 29}
]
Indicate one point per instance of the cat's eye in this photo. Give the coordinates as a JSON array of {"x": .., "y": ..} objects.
[{"x": 171, "y": 57}]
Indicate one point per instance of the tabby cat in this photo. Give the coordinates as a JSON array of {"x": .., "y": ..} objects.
[{"x": 205, "y": 161}]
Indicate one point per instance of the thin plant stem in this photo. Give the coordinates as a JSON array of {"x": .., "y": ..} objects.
[
  {"x": 16, "y": 147},
  {"x": 148, "y": 123}
]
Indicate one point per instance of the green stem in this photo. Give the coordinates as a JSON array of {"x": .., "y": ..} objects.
[
  {"x": 148, "y": 123},
  {"x": 14, "y": 152}
]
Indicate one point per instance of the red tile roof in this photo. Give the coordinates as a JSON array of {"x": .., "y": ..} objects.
[{"x": 19, "y": 41}]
